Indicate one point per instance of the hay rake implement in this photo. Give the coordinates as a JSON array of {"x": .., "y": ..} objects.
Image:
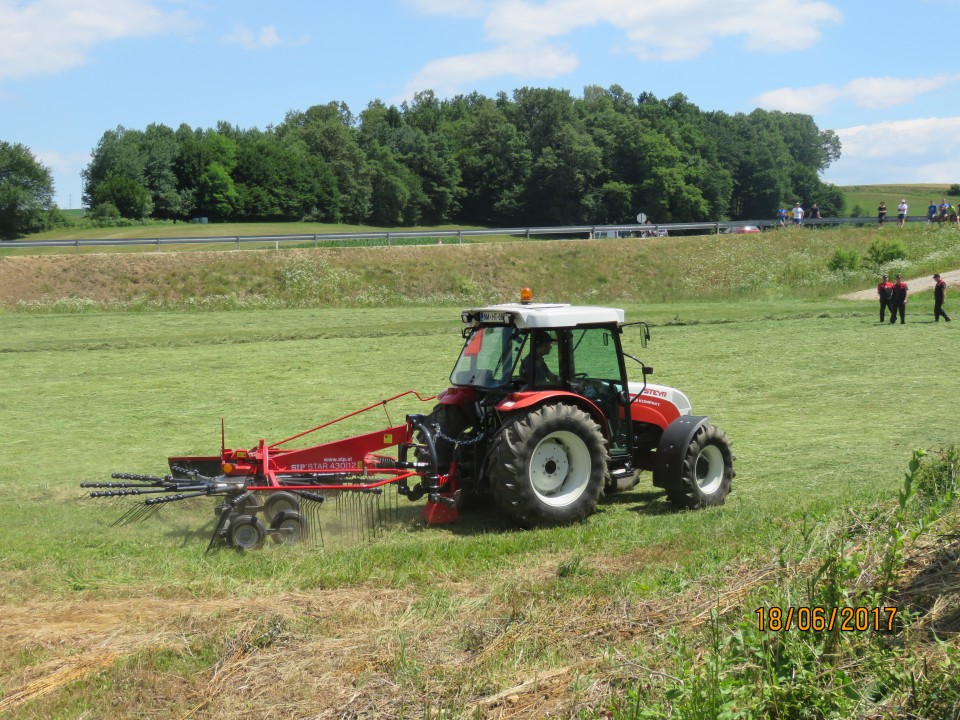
[
  {"x": 540, "y": 419},
  {"x": 273, "y": 491}
]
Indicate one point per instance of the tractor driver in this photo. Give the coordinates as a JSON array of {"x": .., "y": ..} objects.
[{"x": 542, "y": 375}]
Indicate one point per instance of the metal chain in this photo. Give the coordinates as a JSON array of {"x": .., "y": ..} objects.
[{"x": 455, "y": 441}]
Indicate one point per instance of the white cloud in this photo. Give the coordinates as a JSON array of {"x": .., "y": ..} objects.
[
  {"x": 457, "y": 8},
  {"x": 50, "y": 36},
  {"x": 873, "y": 93},
  {"x": 267, "y": 37},
  {"x": 897, "y": 151},
  {"x": 905, "y": 138},
  {"x": 445, "y": 76},
  {"x": 526, "y": 31}
]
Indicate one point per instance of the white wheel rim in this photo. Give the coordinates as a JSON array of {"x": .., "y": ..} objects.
[
  {"x": 709, "y": 469},
  {"x": 560, "y": 468}
]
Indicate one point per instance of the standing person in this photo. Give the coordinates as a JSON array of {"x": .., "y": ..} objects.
[
  {"x": 881, "y": 213},
  {"x": 931, "y": 212},
  {"x": 782, "y": 217},
  {"x": 797, "y": 213},
  {"x": 939, "y": 294},
  {"x": 885, "y": 291},
  {"x": 902, "y": 213},
  {"x": 814, "y": 213},
  {"x": 898, "y": 301}
]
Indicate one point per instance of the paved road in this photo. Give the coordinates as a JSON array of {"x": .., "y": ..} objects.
[{"x": 916, "y": 285}]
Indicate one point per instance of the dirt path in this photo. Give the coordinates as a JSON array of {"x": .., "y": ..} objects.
[{"x": 916, "y": 285}]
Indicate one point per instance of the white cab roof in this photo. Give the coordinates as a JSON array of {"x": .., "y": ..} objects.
[{"x": 544, "y": 315}]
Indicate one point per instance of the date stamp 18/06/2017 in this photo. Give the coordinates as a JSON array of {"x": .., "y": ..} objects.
[{"x": 825, "y": 619}]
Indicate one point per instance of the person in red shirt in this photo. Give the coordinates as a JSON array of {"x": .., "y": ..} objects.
[
  {"x": 885, "y": 291},
  {"x": 939, "y": 295},
  {"x": 898, "y": 301}
]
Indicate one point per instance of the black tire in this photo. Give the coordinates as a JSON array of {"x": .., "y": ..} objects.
[
  {"x": 550, "y": 466},
  {"x": 278, "y": 502},
  {"x": 706, "y": 474},
  {"x": 246, "y": 533},
  {"x": 289, "y": 527}
]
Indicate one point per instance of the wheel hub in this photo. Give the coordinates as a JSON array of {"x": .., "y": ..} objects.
[
  {"x": 709, "y": 469},
  {"x": 550, "y": 466}
]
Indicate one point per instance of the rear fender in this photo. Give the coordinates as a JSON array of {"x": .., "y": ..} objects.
[
  {"x": 529, "y": 400},
  {"x": 460, "y": 396},
  {"x": 668, "y": 462}
]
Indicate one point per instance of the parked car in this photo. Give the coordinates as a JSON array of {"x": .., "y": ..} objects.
[{"x": 741, "y": 229}]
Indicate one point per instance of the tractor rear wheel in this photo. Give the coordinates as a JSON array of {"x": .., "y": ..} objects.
[
  {"x": 550, "y": 466},
  {"x": 707, "y": 473}
]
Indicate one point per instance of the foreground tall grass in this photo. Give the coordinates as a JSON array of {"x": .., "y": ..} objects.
[{"x": 824, "y": 407}]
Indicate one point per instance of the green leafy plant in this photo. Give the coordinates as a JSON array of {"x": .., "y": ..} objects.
[
  {"x": 882, "y": 252},
  {"x": 844, "y": 261}
]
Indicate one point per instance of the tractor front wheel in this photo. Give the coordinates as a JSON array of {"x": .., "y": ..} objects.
[
  {"x": 707, "y": 471},
  {"x": 550, "y": 466}
]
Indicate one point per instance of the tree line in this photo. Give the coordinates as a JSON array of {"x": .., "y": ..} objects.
[{"x": 537, "y": 157}]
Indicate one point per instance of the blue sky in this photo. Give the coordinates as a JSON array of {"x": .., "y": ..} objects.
[{"x": 884, "y": 75}]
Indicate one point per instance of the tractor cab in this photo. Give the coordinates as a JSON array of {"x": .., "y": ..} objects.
[{"x": 520, "y": 354}]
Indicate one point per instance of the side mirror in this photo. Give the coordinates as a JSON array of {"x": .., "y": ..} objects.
[{"x": 647, "y": 370}]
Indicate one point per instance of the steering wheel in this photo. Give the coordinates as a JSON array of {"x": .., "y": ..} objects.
[{"x": 590, "y": 388}]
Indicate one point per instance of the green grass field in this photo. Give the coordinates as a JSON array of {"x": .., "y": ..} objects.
[
  {"x": 823, "y": 408},
  {"x": 918, "y": 197}
]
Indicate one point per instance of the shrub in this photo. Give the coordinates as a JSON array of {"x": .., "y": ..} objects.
[
  {"x": 882, "y": 252},
  {"x": 844, "y": 261},
  {"x": 857, "y": 211},
  {"x": 954, "y": 189}
]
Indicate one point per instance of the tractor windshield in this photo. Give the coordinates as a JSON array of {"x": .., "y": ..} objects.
[{"x": 488, "y": 357}]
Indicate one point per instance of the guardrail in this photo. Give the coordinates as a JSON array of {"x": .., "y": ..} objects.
[{"x": 388, "y": 238}]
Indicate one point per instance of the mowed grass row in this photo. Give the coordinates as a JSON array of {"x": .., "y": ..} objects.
[{"x": 823, "y": 413}]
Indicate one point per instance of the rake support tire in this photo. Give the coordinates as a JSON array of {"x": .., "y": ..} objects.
[
  {"x": 705, "y": 473},
  {"x": 289, "y": 528},
  {"x": 279, "y": 502},
  {"x": 550, "y": 466},
  {"x": 247, "y": 533}
]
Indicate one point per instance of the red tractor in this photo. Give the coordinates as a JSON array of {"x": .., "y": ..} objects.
[{"x": 540, "y": 417}]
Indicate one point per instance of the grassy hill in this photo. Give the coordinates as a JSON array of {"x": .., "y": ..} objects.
[
  {"x": 918, "y": 197},
  {"x": 787, "y": 263}
]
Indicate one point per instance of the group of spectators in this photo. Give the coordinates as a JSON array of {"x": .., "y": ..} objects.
[
  {"x": 901, "y": 213},
  {"x": 893, "y": 297},
  {"x": 796, "y": 214},
  {"x": 944, "y": 212}
]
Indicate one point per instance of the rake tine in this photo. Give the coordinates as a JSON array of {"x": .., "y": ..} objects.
[
  {"x": 125, "y": 518},
  {"x": 135, "y": 514}
]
